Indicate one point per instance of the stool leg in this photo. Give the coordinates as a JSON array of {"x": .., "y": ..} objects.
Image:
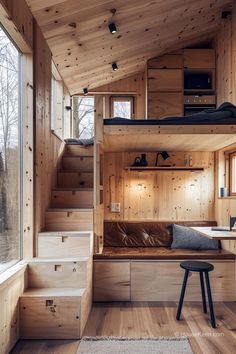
[
  {"x": 213, "y": 322},
  {"x": 182, "y": 295},
  {"x": 203, "y": 293}
]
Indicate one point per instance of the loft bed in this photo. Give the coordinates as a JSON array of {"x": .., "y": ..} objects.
[{"x": 209, "y": 130}]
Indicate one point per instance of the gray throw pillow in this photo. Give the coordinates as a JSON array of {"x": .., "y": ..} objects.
[{"x": 184, "y": 237}]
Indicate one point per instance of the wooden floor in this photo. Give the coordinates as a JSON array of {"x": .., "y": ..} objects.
[{"x": 148, "y": 320}]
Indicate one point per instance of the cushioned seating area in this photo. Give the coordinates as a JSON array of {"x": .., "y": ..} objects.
[
  {"x": 161, "y": 253},
  {"x": 151, "y": 240}
]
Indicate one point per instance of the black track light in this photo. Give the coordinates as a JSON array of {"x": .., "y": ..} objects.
[
  {"x": 114, "y": 66},
  {"x": 112, "y": 28},
  {"x": 85, "y": 90}
]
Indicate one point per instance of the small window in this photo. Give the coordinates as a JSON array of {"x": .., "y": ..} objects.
[
  {"x": 57, "y": 104},
  {"x": 232, "y": 173},
  {"x": 122, "y": 107},
  {"x": 83, "y": 117}
]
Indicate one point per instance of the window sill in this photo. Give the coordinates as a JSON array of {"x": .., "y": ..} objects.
[{"x": 12, "y": 273}]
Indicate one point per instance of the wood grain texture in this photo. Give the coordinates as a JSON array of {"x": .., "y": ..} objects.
[
  {"x": 162, "y": 105},
  {"x": 199, "y": 58},
  {"x": 69, "y": 220},
  {"x": 153, "y": 29},
  {"x": 111, "y": 281},
  {"x": 165, "y": 195},
  {"x": 165, "y": 80}
]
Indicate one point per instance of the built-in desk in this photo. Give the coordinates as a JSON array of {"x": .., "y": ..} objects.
[{"x": 216, "y": 235}]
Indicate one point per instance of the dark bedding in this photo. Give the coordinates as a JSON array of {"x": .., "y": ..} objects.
[{"x": 224, "y": 114}]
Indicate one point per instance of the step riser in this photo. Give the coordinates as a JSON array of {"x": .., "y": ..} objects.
[
  {"x": 75, "y": 150},
  {"x": 69, "y": 221},
  {"x": 74, "y": 180},
  {"x": 70, "y": 274},
  {"x": 64, "y": 246},
  {"x": 75, "y": 199},
  {"x": 77, "y": 163}
]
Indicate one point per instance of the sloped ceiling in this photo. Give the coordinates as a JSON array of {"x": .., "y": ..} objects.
[{"x": 83, "y": 48}]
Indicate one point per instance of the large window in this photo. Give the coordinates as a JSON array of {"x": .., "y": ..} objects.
[
  {"x": 83, "y": 117},
  {"x": 10, "y": 152},
  {"x": 122, "y": 107}
]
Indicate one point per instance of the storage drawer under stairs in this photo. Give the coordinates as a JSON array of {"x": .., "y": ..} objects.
[
  {"x": 69, "y": 220},
  {"x": 76, "y": 198}
]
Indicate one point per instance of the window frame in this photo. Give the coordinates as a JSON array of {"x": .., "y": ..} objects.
[
  {"x": 122, "y": 98},
  {"x": 20, "y": 177},
  {"x": 232, "y": 156}
]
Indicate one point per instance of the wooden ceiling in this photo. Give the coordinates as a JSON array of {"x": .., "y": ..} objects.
[{"x": 83, "y": 48}]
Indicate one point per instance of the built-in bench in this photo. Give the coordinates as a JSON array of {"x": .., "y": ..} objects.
[{"x": 137, "y": 264}]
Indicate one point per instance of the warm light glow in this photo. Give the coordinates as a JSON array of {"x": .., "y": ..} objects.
[{"x": 140, "y": 186}]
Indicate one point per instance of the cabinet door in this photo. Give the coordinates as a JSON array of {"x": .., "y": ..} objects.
[
  {"x": 165, "y": 104},
  {"x": 199, "y": 58},
  {"x": 111, "y": 281},
  {"x": 165, "y": 80},
  {"x": 168, "y": 61}
]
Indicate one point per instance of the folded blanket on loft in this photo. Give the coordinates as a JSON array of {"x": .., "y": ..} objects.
[
  {"x": 224, "y": 114},
  {"x": 83, "y": 142}
]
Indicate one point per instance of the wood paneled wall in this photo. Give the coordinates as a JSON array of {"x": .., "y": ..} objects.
[
  {"x": 48, "y": 147},
  {"x": 134, "y": 85},
  {"x": 226, "y": 91},
  {"x": 171, "y": 195}
]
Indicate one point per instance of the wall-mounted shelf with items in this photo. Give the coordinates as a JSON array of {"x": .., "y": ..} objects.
[{"x": 164, "y": 168}]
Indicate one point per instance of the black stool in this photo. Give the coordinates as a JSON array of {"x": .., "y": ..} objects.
[{"x": 201, "y": 267}]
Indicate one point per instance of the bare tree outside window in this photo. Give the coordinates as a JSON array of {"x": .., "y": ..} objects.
[
  {"x": 122, "y": 107},
  {"x": 83, "y": 117},
  {"x": 9, "y": 152}
]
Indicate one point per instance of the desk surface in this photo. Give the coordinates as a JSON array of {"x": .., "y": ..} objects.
[{"x": 216, "y": 235}]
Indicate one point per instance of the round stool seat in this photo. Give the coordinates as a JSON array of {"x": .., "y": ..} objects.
[{"x": 197, "y": 266}]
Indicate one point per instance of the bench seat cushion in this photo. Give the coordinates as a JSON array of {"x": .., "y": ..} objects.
[{"x": 162, "y": 253}]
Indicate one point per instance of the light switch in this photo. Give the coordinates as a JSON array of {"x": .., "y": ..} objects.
[{"x": 115, "y": 207}]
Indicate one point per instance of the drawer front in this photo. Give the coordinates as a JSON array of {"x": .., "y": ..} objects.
[
  {"x": 61, "y": 320},
  {"x": 165, "y": 80},
  {"x": 162, "y": 105},
  {"x": 63, "y": 246},
  {"x": 162, "y": 281},
  {"x": 167, "y": 61},
  {"x": 199, "y": 58},
  {"x": 111, "y": 281}
]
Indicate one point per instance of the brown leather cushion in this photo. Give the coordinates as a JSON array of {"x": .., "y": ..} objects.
[
  {"x": 143, "y": 234},
  {"x": 161, "y": 253}
]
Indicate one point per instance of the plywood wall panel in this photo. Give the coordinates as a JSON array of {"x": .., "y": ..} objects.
[{"x": 165, "y": 195}]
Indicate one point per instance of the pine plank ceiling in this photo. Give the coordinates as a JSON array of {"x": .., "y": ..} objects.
[{"x": 83, "y": 48}]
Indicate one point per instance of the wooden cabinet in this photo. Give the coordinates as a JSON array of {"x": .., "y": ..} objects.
[
  {"x": 199, "y": 58},
  {"x": 165, "y": 80},
  {"x": 168, "y": 61},
  {"x": 111, "y": 281},
  {"x": 164, "y": 104}
]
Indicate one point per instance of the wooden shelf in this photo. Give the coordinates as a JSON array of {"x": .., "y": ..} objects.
[{"x": 164, "y": 168}]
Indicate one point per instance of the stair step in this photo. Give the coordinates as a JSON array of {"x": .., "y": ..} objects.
[
  {"x": 74, "y": 150},
  {"x": 52, "y": 273},
  {"x": 72, "y": 198},
  {"x": 77, "y": 163},
  {"x": 75, "y": 179},
  {"x": 64, "y": 244},
  {"x": 69, "y": 220},
  {"x": 52, "y": 313}
]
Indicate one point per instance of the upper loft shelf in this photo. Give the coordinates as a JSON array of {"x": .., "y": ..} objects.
[{"x": 164, "y": 168}]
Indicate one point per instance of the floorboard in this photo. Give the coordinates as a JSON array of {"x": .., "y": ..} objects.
[{"x": 148, "y": 320}]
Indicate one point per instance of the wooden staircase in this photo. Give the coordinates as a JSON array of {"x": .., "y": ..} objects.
[{"x": 58, "y": 299}]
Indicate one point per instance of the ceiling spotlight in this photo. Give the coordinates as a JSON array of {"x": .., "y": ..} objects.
[
  {"x": 112, "y": 28},
  {"x": 85, "y": 90},
  {"x": 114, "y": 66}
]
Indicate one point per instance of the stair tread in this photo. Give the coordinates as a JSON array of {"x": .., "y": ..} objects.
[
  {"x": 61, "y": 233},
  {"x": 76, "y": 156},
  {"x": 54, "y": 292},
  {"x": 71, "y": 210},
  {"x": 61, "y": 189},
  {"x": 59, "y": 260}
]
